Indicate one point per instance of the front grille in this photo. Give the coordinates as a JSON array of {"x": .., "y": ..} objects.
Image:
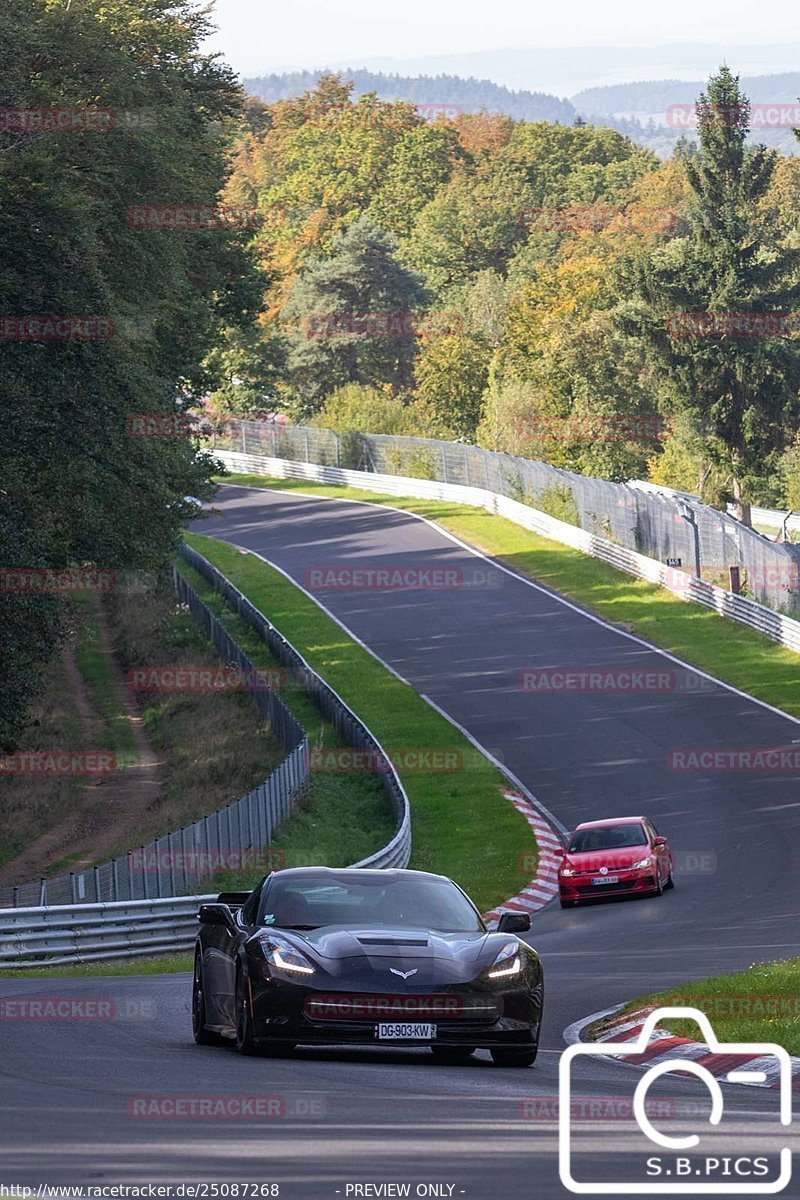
[
  {"x": 444, "y": 1006},
  {"x": 607, "y": 888}
]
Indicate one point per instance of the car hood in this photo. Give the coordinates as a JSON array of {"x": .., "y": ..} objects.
[
  {"x": 387, "y": 958},
  {"x": 614, "y": 860},
  {"x": 332, "y": 941}
]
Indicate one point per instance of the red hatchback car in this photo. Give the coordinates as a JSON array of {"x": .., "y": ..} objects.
[{"x": 609, "y": 858}]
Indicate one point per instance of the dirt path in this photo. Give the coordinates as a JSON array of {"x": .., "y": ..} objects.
[{"x": 107, "y": 812}]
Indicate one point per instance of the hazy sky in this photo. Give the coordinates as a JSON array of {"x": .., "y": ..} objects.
[{"x": 258, "y": 35}]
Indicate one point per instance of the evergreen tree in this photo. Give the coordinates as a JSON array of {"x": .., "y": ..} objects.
[
  {"x": 352, "y": 318},
  {"x": 734, "y": 379}
]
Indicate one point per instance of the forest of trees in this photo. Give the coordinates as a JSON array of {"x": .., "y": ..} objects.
[
  {"x": 106, "y": 106},
  {"x": 429, "y": 91},
  {"x": 548, "y": 266},
  {"x": 550, "y": 289}
]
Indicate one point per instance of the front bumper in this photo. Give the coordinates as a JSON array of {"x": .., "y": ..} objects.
[
  {"x": 281, "y": 1015},
  {"x": 582, "y": 887}
]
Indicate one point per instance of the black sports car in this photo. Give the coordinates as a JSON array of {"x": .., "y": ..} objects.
[{"x": 317, "y": 956}]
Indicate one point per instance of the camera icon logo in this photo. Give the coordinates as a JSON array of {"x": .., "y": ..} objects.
[{"x": 701, "y": 1167}]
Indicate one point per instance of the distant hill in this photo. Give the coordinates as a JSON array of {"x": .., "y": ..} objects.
[
  {"x": 659, "y": 107},
  {"x": 564, "y": 70},
  {"x": 644, "y": 96},
  {"x": 656, "y": 96},
  {"x": 653, "y": 113},
  {"x": 431, "y": 92}
]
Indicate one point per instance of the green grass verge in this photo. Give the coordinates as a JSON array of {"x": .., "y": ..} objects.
[
  {"x": 160, "y": 964},
  {"x": 757, "y": 1005},
  {"x": 338, "y": 821},
  {"x": 462, "y": 825},
  {"x": 734, "y": 653}
]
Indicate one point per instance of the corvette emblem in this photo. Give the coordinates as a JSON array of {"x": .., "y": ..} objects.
[{"x": 403, "y": 974}]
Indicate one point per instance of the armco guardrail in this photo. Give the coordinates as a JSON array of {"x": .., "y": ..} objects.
[
  {"x": 774, "y": 518},
  {"x": 356, "y": 734},
  {"x": 774, "y": 625},
  {"x": 766, "y": 518},
  {"x": 84, "y": 932},
  {"x": 87, "y": 932}
]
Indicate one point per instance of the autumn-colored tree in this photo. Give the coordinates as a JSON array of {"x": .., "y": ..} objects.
[
  {"x": 452, "y": 373},
  {"x": 352, "y": 317}
]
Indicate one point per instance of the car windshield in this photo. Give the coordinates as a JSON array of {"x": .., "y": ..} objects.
[
  {"x": 367, "y": 899},
  {"x": 608, "y": 837}
]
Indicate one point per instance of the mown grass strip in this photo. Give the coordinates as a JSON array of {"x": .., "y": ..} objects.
[
  {"x": 161, "y": 964},
  {"x": 339, "y": 820},
  {"x": 732, "y": 652},
  {"x": 757, "y": 1005},
  {"x": 462, "y": 825},
  {"x": 99, "y": 672}
]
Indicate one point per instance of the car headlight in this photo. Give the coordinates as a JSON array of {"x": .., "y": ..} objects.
[
  {"x": 567, "y": 871},
  {"x": 284, "y": 957},
  {"x": 507, "y": 963},
  {"x": 643, "y": 862}
]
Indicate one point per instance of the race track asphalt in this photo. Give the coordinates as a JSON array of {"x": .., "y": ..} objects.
[{"x": 350, "y": 1117}]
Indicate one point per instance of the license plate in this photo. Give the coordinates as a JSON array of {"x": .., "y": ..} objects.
[
  {"x": 606, "y": 879},
  {"x": 407, "y": 1031}
]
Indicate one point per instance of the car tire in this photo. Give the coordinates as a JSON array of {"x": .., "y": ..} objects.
[
  {"x": 202, "y": 1036},
  {"x": 670, "y": 884},
  {"x": 453, "y": 1054},
  {"x": 505, "y": 1056},
  {"x": 245, "y": 1040}
]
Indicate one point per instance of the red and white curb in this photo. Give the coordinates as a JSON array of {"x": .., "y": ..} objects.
[
  {"x": 663, "y": 1046},
  {"x": 544, "y": 887}
]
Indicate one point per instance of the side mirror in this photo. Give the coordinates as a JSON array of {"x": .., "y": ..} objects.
[
  {"x": 514, "y": 923},
  {"x": 559, "y": 851},
  {"x": 659, "y": 841},
  {"x": 215, "y": 914}
]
